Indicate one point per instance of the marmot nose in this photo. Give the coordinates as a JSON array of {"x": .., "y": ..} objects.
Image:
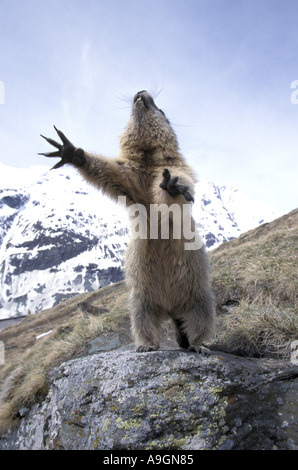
[
  {"x": 139, "y": 95},
  {"x": 146, "y": 98}
]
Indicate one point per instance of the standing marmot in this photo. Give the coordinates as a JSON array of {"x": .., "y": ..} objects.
[{"x": 165, "y": 278}]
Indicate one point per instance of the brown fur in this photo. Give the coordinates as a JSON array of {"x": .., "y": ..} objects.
[{"x": 164, "y": 279}]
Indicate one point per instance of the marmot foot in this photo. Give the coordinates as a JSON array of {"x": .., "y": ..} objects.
[
  {"x": 146, "y": 348},
  {"x": 172, "y": 186},
  {"x": 199, "y": 349}
]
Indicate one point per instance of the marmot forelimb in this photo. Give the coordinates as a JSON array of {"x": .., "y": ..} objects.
[{"x": 165, "y": 276}]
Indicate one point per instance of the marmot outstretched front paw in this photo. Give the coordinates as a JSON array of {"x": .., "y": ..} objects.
[
  {"x": 67, "y": 152},
  {"x": 172, "y": 186}
]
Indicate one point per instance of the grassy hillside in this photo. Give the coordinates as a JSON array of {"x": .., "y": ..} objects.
[
  {"x": 255, "y": 282},
  {"x": 255, "y": 279},
  {"x": 28, "y": 361}
]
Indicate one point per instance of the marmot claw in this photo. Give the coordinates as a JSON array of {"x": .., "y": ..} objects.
[
  {"x": 146, "y": 348},
  {"x": 67, "y": 152},
  {"x": 199, "y": 349},
  {"x": 172, "y": 186}
]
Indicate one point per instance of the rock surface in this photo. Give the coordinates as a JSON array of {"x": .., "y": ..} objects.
[{"x": 164, "y": 400}]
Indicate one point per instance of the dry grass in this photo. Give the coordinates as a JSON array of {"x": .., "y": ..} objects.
[
  {"x": 255, "y": 282},
  {"x": 254, "y": 329},
  {"x": 255, "y": 279},
  {"x": 24, "y": 377}
]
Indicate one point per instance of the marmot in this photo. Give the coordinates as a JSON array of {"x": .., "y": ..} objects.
[{"x": 164, "y": 279}]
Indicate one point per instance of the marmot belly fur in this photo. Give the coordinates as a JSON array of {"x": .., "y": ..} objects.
[{"x": 165, "y": 279}]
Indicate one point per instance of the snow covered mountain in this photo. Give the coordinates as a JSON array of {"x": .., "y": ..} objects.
[{"x": 59, "y": 236}]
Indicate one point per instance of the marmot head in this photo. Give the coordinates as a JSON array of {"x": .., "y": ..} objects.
[{"x": 148, "y": 127}]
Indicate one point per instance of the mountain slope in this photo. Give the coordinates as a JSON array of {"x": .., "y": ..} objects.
[
  {"x": 270, "y": 244},
  {"x": 255, "y": 281},
  {"x": 60, "y": 237},
  {"x": 56, "y": 244}
]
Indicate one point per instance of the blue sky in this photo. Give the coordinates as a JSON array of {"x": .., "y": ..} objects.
[{"x": 220, "y": 69}]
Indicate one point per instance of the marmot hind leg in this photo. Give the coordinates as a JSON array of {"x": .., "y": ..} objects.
[
  {"x": 183, "y": 341},
  {"x": 181, "y": 336},
  {"x": 196, "y": 326},
  {"x": 145, "y": 321}
]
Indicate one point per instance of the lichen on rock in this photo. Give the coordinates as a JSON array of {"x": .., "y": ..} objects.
[{"x": 163, "y": 400}]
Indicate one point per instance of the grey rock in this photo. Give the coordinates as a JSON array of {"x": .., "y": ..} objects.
[
  {"x": 23, "y": 411},
  {"x": 104, "y": 343},
  {"x": 164, "y": 400}
]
